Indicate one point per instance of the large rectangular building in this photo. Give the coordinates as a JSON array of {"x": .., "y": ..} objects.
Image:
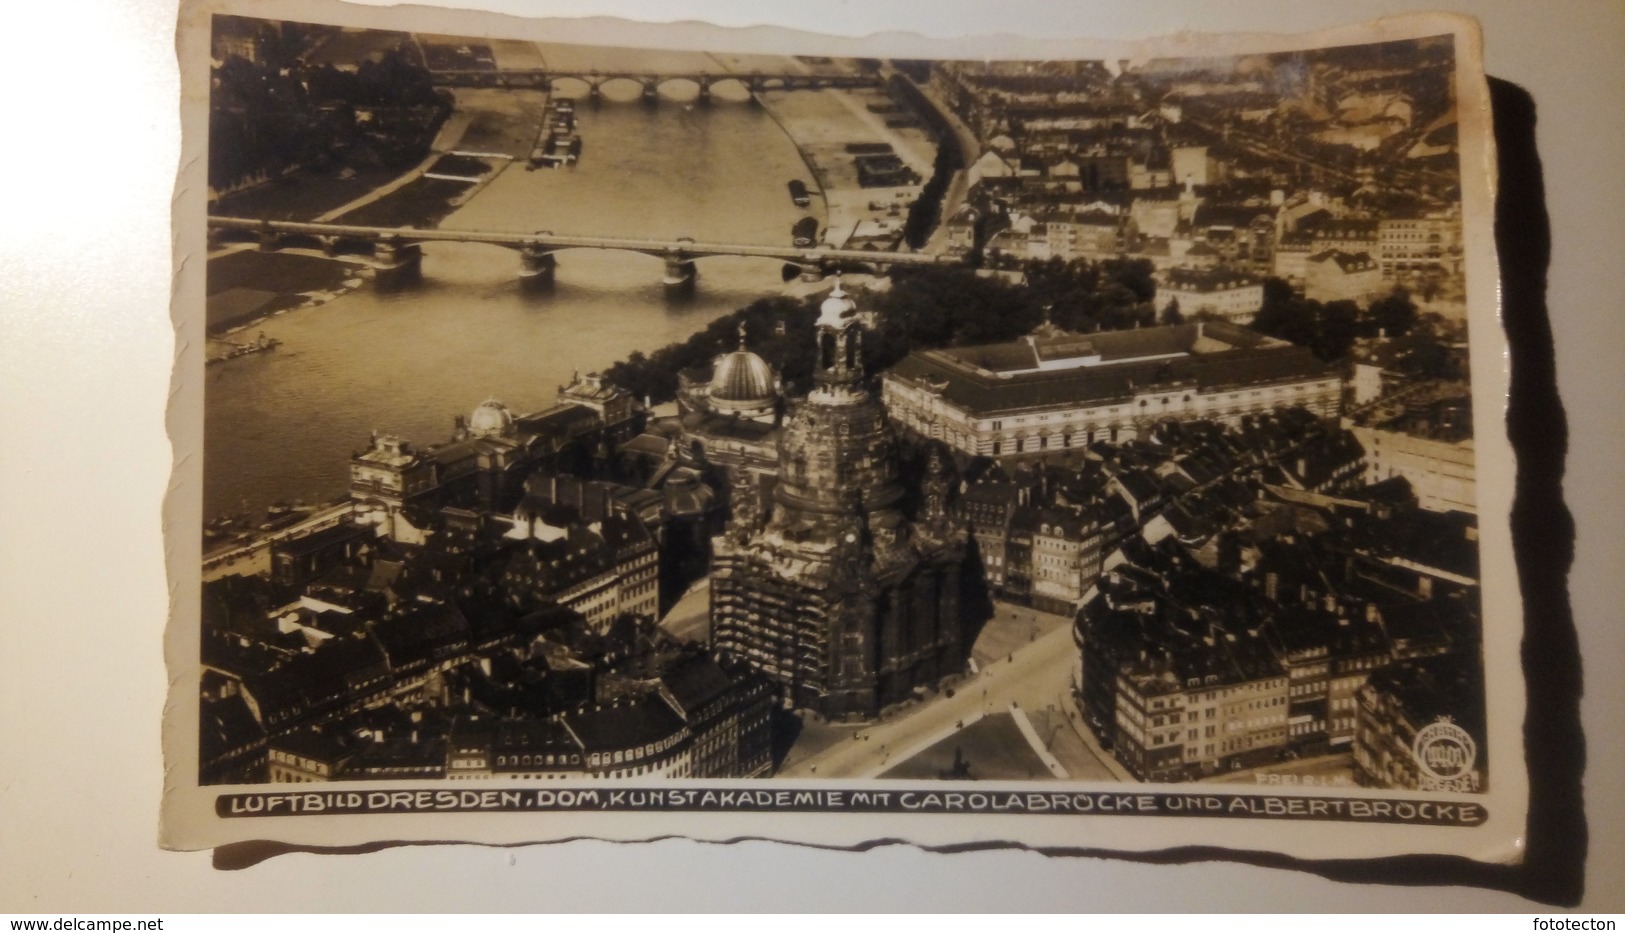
[{"x": 1056, "y": 390}]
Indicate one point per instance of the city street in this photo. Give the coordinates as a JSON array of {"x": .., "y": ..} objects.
[
  {"x": 1021, "y": 655},
  {"x": 1034, "y": 677},
  {"x": 690, "y": 617}
]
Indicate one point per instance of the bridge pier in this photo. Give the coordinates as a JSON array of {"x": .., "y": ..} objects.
[
  {"x": 680, "y": 275},
  {"x": 397, "y": 265},
  {"x": 705, "y": 93},
  {"x": 536, "y": 268},
  {"x": 651, "y": 93},
  {"x": 811, "y": 271},
  {"x": 270, "y": 241},
  {"x": 330, "y": 245},
  {"x": 595, "y": 93}
]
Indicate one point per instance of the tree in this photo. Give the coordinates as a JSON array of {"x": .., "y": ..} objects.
[
  {"x": 1136, "y": 275},
  {"x": 1329, "y": 330},
  {"x": 1277, "y": 291},
  {"x": 1285, "y": 315},
  {"x": 265, "y": 120},
  {"x": 1392, "y": 316},
  {"x": 1171, "y": 314},
  {"x": 1335, "y": 325}
]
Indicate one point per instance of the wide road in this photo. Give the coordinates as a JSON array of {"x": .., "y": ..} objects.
[
  {"x": 970, "y": 149},
  {"x": 1033, "y": 678}
]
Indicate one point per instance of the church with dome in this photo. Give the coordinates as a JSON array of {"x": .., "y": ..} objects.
[
  {"x": 730, "y": 414},
  {"x": 826, "y": 586}
]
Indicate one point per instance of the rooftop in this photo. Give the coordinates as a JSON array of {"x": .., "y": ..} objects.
[
  {"x": 1210, "y": 280},
  {"x": 1103, "y": 367}
]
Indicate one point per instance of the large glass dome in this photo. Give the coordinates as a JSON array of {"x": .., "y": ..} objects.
[{"x": 491, "y": 419}]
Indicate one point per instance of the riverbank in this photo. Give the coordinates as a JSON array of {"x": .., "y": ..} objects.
[
  {"x": 826, "y": 127},
  {"x": 287, "y": 423},
  {"x": 237, "y": 297},
  {"x": 487, "y": 131}
]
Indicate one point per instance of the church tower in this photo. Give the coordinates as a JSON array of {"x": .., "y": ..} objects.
[{"x": 831, "y": 595}]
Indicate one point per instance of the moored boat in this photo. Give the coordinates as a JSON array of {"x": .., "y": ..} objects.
[
  {"x": 557, "y": 144},
  {"x": 805, "y": 231}
]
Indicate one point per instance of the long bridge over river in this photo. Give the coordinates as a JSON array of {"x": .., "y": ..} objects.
[
  {"x": 397, "y": 252},
  {"x": 753, "y": 82}
]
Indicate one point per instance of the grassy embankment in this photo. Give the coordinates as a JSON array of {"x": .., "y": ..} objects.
[{"x": 236, "y": 282}]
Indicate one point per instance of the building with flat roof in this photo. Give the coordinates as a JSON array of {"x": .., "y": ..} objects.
[{"x": 1054, "y": 390}]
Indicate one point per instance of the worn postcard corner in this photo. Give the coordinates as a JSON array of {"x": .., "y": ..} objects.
[{"x": 602, "y": 429}]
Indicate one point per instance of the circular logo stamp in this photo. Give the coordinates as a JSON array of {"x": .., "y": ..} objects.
[{"x": 1444, "y": 753}]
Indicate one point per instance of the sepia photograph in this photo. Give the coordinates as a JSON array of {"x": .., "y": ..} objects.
[{"x": 584, "y": 430}]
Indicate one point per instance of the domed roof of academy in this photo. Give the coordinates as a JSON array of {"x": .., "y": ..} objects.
[
  {"x": 742, "y": 381},
  {"x": 838, "y": 309},
  {"x": 491, "y": 419}
]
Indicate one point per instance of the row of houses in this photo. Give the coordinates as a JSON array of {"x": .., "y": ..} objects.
[
  {"x": 1285, "y": 646},
  {"x": 1327, "y": 259},
  {"x": 689, "y": 716},
  {"x": 1113, "y": 176},
  {"x": 1043, "y": 531},
  {"x": 391, "y": 623},
  {"x": 448, "y": 596}
]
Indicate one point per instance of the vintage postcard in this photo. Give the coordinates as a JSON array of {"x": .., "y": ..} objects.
[{"x": 598, "y": 429}]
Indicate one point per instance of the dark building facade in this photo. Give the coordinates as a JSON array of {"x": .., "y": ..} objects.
[{"x": 834, "y": 594}]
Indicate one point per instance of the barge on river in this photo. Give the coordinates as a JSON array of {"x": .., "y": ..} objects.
[
  {"x": 233, "y": 350},
  {"x": 558, "y": 143}
]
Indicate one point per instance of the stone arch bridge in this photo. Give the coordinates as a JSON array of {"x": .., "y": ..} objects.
[
  {"x": 754, "y": 81},
  {"x": 397, "y": 252}
]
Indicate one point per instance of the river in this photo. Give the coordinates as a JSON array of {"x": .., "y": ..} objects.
[{"x": 283, "y": 425}]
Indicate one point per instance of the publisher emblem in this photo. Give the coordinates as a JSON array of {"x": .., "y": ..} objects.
[{"x": 1445, "y": 754}]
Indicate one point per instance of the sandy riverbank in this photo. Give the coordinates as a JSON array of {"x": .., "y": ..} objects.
[{"x": 822, "y": 124}]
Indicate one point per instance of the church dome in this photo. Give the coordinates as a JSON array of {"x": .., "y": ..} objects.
[
  {"x": 742, "y": 376},
  {"x": 491, "y": 419},
  {"x": 742, "y": 382}
]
